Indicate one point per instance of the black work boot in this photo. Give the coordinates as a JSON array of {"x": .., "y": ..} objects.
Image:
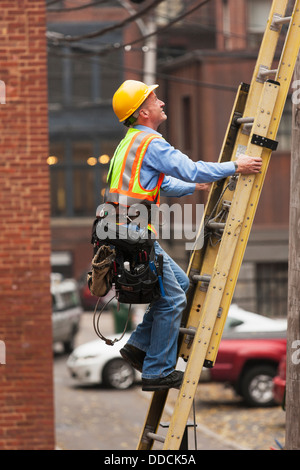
[
  {"x": 173, "y": 380},
  {"x": 134, "y": 356}
]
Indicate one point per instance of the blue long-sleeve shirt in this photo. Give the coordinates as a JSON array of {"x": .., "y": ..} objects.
[{"x": 181, "y": 173}]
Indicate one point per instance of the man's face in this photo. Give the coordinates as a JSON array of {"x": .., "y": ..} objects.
[{"x": 154, "y": 107}]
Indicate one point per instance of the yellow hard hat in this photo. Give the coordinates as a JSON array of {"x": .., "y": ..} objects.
[{"x": 129, "y": 97}]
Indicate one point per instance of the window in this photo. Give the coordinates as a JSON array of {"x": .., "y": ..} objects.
[
  {"x": 78, "y": 172},
  {"x": 55, "y": 78},
  {"x": 168, "y": 10},
  {"x": 76, "y": 80},
  {"x": 110, "y": 3},
  {"x": 58, "y": 192},
  {"x": 110, "y": 75},
  {"x": 187, "y": 123},
  {"x": 258, "y": 13},
  {"x": 56, "y": 4},
  {"x": 83, "y": 133},
  {"x": 57, "y": 178},
  {"x": 83, "y": 178},
  {"x": 272, "y": 288},
  {"x": 81, "y": 81},
  {"x": 284, "y": 135},
  {"x": 84, "y": 195},
  {"x": 82, "y": 152}
]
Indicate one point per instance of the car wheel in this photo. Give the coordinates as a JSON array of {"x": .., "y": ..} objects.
[
  {"x": 257, "y": 386},
  {"x": 118, "y": 374}
]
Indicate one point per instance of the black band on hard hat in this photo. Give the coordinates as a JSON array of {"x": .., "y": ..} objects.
[{"x": 130, "y": 121}]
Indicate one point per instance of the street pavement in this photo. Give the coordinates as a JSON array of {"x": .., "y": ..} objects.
[{"x": 96, "y": 418}]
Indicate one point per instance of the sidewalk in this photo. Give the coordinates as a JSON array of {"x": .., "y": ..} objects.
[{"x": 205, "y": 438}]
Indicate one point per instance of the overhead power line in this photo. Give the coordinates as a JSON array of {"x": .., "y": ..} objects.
[
  {"x": 51, "y": 2},
  {"x": 167, "y": 26},
  {"x": 121, "y": 24},
  {"x": 79, "y": 7},
  {"x": 161, "y": 75},
  {"x": 58, "y": 37}
]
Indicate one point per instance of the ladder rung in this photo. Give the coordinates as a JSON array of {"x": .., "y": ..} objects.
[
  {"x": 266, "y": 72},
  {"x": 281, "y": 20},
  {"x": 216, "y": 225},
  {"x": 278, "y": 20},
  {"x": 198, "y": 278},
  {"x": 244, "y": 120},
  {"x": 156, "y": 437},
  {"x": 187, "y": 331}
]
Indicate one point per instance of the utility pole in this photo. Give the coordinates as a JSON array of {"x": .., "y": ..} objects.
[
  {"x": 293, "y": 334},
  {"x": 149, "y": 49},
  {"x": 150, "y": 52}
]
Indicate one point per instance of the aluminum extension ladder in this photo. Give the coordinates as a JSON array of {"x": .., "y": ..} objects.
[{"x": 213, "y": 270}]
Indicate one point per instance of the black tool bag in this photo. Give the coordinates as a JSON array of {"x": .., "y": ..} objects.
[
  {"x": 130, "y": 267},
  {"x": 137, "y": 284}
]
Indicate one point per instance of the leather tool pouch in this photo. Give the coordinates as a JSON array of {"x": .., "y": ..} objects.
[{"x": 100, "y": 279}]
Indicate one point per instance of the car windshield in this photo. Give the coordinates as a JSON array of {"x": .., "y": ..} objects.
[{"x": 232, "y": 323}]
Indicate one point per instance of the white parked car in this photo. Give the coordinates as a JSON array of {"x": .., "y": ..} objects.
[
  {"x": 97, "y": 363},
  {"x": 66, "y": 311},
  {"x": 239, "y": 321}
]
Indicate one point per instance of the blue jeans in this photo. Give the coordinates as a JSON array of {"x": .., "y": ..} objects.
[{"x": 157, "y": 335}]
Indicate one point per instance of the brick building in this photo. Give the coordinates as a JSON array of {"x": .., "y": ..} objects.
[
  {"x": 26, "y": 398},
  {"x": 200, "y": 62},
  {"x": 83, "y": 129}
]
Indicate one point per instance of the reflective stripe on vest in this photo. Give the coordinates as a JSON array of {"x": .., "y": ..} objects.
[{"x": 124, "y": 174}]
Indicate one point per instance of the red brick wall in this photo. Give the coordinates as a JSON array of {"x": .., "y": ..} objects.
[{"x": 26, "y": 383}]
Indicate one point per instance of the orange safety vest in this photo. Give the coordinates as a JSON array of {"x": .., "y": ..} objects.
[{"x": 124, "y": 172}]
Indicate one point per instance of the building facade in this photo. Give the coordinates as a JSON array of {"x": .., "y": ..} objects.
[{"x": 198, "y": 59}]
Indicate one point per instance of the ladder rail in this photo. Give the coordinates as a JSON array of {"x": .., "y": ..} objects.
[
  {"x": 284, "y": 77},
  {"x": 159, "y": 399},
  {"x": 265, "y": 127},
  {"x": 213, "y": 269},
  {"x": 217, "y": 285},
  {"x": 266, "y": 56},
  {"x": 152, "y": 420}
]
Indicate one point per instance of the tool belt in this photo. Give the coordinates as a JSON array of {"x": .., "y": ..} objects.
[
  {"x": 130, "y": 262},
  {"x": 130, "y": 267}
]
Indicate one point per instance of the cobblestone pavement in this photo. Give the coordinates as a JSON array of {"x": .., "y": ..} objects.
[
  {"x": 220, "y": 412},
  {"x": 105, "y": 419},
  {"x": 226, "y": 414}
]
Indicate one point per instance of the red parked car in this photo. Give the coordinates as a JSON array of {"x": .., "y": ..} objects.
[
  {"x": 250, "y": 351},
  {"x": 249, "y": 365},
  {"x": 279, "y": 383}
]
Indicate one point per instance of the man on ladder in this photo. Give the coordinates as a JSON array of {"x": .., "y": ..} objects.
[{"x": 143, "y": 167}]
